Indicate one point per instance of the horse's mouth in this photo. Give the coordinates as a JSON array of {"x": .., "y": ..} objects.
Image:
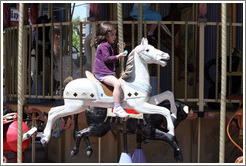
[{"x": 163, "y": 62}]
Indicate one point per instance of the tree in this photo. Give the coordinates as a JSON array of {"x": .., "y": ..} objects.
[{"x": 76, "y": 33}]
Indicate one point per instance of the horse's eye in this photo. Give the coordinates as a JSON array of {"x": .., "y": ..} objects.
[{"x": 147, "y": 50}]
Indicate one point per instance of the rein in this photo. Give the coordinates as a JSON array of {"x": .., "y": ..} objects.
[{"x": 148, "y": 55}]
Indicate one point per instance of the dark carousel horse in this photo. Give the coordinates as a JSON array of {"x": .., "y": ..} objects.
[
  {"x": 166, "y": 40},
  {"x": 151, "y": 127},
  {"x": 235, "y": 80}
]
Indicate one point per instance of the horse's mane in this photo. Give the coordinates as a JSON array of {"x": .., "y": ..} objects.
[{"x": 129, "y": 66}]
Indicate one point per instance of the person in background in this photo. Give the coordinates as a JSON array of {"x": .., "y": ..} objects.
[
  {"x": 148, "y": 15},
  {"x": 94, "y": 12},
  {"x": 6, "y": 15},
  {"x": 202, "y": 12}
]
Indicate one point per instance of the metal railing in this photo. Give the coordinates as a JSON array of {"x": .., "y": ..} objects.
[{"x": 47, "y": 87}]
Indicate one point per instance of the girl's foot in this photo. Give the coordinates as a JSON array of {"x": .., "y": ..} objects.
[{"x": 120, "y": 112}]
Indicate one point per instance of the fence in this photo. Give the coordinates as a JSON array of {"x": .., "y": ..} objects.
[{"x": 49, "y": 56}]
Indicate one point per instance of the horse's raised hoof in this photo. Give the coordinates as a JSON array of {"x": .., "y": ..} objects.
[{"x": 178, "y": 155}]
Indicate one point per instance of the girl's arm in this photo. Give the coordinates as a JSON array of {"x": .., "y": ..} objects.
[
  {"x": 108, "y": 58},
  {"x": 121, "y": 55},
  {"x": 106, "y": 55}
]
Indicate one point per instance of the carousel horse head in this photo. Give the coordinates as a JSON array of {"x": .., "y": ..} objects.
[
  {"x": 140, "y": 57},
  {"x": 149, "y": 54}
]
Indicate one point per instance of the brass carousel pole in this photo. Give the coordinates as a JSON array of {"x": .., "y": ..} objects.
[
  {"x": 120, "y": 34},
  {"x": 121, "y": 49},
  {"x": 20, "y": 85},
  {"x": 140, "y": 22}
]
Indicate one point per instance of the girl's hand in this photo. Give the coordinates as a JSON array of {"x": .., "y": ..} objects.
[
  {"x": 124, "y": 45},
  {"x": 121, "y": 55}
]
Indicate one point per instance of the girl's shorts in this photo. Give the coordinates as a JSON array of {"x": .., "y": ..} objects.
[{"x": 101, "y": 77}]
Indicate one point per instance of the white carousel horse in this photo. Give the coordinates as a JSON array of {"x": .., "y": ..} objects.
[{"x": 81, "y": 93}]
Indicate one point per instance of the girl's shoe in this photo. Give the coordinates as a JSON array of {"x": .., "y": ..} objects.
[{"x": 120, "y": 112}]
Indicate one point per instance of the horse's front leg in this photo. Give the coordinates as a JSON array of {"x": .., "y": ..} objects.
[
  {"x": 160, "y": 135},
  {"x": 81, "y": 134},
  {"x": 89, "y": 147},
  {"x": 167, "y": 95},
  {"x": 147, "y": 108},
  {"x": 92, "y": 130},
  {"x": 69, "y": 108},
  {"x": 53, "y": 115},
  {"x": 75, "y": 131}
]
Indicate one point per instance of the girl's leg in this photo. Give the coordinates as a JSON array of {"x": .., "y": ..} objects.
[{"x": 113, "y": 81}]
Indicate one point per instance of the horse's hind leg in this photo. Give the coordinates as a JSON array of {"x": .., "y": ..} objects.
[{"x": 56, "y": 113}]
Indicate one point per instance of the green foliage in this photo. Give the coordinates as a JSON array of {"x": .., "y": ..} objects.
[
  {"x": 76, "y": 40},
  {"x": 76, "y": 19},
  {"x": 76, "y": 34}
]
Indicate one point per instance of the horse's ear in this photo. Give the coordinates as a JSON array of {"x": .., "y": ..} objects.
[{"x": 144, "y": 41}]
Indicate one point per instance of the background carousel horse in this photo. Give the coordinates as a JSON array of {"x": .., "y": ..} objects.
[
  {"x": 81, "y": 93},
  {"x": 151, "y": 127},
  {"x": 235, "y": 80}
]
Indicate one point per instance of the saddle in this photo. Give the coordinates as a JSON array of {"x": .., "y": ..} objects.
[{"x": 108, "y": 90}]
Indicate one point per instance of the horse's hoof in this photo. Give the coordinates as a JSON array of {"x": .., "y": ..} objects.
[
  {"x": 178, "y": 155},
  {"x": 43, "y": 142},
  {"x": 146, "y": 140},
  {"x": 89, "y": 152},
  {"x": 73, "y": 153}
]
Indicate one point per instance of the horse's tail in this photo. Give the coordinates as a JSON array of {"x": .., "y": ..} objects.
[{"x": 68, "y": 79}]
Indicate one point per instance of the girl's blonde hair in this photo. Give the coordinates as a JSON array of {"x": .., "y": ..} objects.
[{"x": 102, "y": 31}]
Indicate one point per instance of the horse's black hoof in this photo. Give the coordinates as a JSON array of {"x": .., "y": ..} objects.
[{"x": 89, "y": 152}]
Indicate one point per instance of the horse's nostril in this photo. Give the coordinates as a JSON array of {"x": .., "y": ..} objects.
[{"x": 165, "y": 56}]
